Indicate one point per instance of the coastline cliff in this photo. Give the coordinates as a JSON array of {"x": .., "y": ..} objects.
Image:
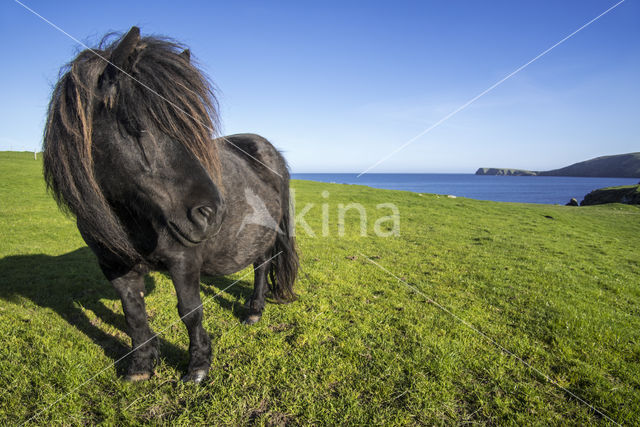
[{"x": 616, "y": 166}]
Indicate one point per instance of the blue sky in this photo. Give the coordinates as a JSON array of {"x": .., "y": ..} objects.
[{"x": 339, "y": 85}]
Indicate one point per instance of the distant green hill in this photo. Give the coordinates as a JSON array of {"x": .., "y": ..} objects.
[{"x": 616, "y": 166}]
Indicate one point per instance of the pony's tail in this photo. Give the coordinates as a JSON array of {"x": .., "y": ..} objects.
[{"x": 284, "y": 267}]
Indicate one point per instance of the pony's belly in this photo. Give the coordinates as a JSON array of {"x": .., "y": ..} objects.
[
  {"x": 228, "y": 259},
  {"x": 223, "y": 266}
]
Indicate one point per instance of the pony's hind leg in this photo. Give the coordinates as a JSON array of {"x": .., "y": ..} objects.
[
  {"x": 144, "y": 343},
  {"x": 257, "y": 301}
]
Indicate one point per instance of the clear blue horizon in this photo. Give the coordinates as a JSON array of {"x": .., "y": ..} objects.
[
  {"x": 339, "y": 86},
  {"x": 518, "y": 189}
]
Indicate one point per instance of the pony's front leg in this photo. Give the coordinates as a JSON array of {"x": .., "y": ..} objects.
[
  {"x": 144, "y": 343},
  {"x": 186, "y": 280}
]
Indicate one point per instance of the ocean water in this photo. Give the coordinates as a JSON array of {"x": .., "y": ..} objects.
[{"x": 522, "y": 189}]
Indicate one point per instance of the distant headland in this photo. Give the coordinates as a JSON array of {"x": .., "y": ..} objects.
[{"x": 617, "y": 166}]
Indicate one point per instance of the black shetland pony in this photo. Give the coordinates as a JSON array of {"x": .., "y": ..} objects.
[{"x": 129, "y": 150}]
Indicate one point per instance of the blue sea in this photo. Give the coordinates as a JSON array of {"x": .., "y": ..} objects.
[{"x": 522, "y": 189}]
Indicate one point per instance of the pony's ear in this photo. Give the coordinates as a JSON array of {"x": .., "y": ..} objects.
[
  {"x": 122, "y": 52},
  {"x": 120, "y": 60},
  {"x": 186, "y": 55}
]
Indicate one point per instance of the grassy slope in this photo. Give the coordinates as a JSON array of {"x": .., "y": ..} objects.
[
  {"x": 624, "y": 187},
  {"x": 358, "y": 347}
]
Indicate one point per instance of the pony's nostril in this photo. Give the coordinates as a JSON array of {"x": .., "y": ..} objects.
[
  {"x": 202, "y": 216},
  {"x": 205, "y": 211}
]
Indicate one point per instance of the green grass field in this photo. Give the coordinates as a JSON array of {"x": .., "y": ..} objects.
[{"x": 557, "y": 286}]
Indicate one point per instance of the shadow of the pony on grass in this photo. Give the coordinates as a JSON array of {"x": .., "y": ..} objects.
[{"x": 68, "y": 283}]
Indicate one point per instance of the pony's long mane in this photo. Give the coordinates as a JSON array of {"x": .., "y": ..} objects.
[{"x": 163, "y": 87}]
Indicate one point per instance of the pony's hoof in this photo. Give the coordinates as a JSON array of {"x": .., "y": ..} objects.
[
  {"x": 140, "y": 376},
  {"x": 195, "y": 377},
  {"x": 252, "y": 318}
]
